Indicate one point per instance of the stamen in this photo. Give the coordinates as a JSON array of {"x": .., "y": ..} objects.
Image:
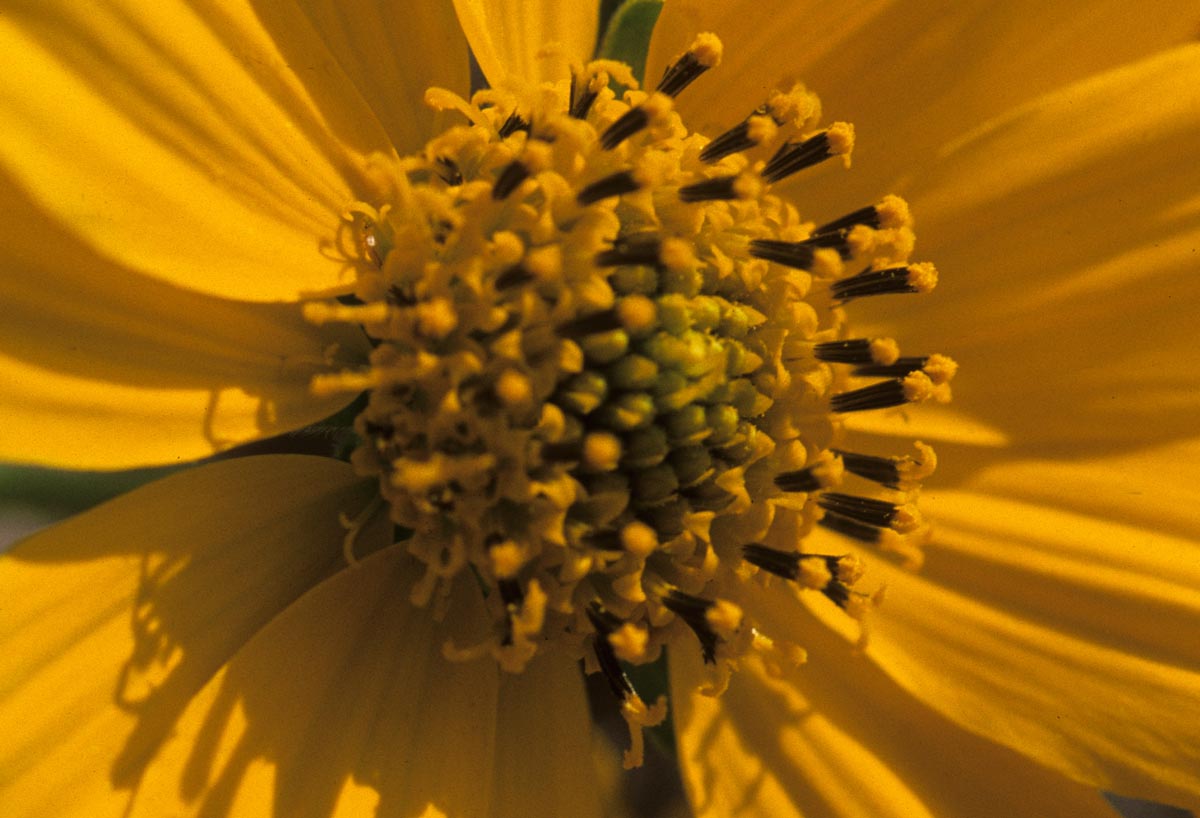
[
  {"x": 513, "y": 122},
  {"x": 513, "y": 174},
  {"x": 721, "y": 188},
  {"x": 812, "y": 571},
  {"x": 793, "y": 157},
  {"x": 876, "y": 352},
  {"x": 654, "y": 109},
  {"x": 868, "y": 510},
  {"x": 799, "y": 255},
  {"x": 891, "y": 213},
  {"x": 581, "y": 104},
  {"x": 750, "y": 133},
  {"x": 447, "y": 170},
  {"x": 616, "y": 184},
  {"x": 633, "y": 710},
  {"x": 912, "y": 278},
  {"x": 912, "y": 388},
  {"x": 939, "y": 368},
  {"x": 710, "y": 620},
  {"x": 641, "y": 248},
  {"x": 805, "y": 480},
  {"x": 703, "y": 54}
]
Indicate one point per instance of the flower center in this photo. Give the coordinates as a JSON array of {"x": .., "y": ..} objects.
[{"x": 611, "y": 369}]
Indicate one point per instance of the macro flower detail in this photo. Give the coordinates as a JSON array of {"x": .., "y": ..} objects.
[
  {"x": 625, "y": 379},
  {"x": 609, "y": 366}
]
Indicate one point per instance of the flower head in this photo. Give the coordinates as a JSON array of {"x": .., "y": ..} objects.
[{"x": 614, "y": 405}]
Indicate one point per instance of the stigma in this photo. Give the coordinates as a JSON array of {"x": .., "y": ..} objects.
[{"x": 611, "y": 369}]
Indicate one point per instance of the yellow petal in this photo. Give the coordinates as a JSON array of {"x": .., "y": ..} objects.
[
  {"x": 910, "y": 76},
  {"x": 838, "y": 738},
  {"x": 214, "y": 148},
  {"x": 1067, "y": 235},
  {"x": 112, "y": 621},
  {"x": 543, "y": 743},
  {"x": 340, "y": 705},
  {"x": 506, "y": 37},
  {"x": 392, "y": 56},
  {"x": 106, "y": 368},
  {"x": 1066, "y": 636}
]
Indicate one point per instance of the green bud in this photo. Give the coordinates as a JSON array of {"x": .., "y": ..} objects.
[
  {"x": 633, "y": 372},
  {"x": 691, "y": 464},
  {"x": 689, "y": 424},
  {"x": 645, "y": 447},
  {"x": 605, "y": 347},
  {"x": 629, "y": 411},
  {"x": 723, "y": 420},
  {"x": 631, "y": 280},
  {"x": 654, "y": 485},
  {"x": 582, "y": 393}
]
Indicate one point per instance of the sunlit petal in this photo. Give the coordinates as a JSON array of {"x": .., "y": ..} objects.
[
  {"x": 392, "y": 55},
  {"x": 506, "y": 38},
  {"x": 911, "y": 77},
  {"x": 343, "y": 705},
  {"x": 107, "y": 368},
  {"x": 1066, "y": 635},
  {"x": 113, "y": 620},
  {"x": 836, "y": 737},
  {"x": 211, "y": 147}
]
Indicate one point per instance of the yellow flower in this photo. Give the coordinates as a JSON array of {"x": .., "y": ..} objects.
[{"x": 177, "y": 177}]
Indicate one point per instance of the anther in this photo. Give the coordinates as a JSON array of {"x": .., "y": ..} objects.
[
  {"x": 912, "y": 388},
  {"x": 882, "y": 470},
  {"x": 513, "y": 174},
  {"x": 654, "y": 109},
  {"x": 799, "y": 255},
  {"x": 513, "y": 122},
  {"x": 703, "y": 54},
  {"x": 642, "y": 248},
  {"x": 513, "y": 277},
  {"x": 940, "y": 368},
  {"x": 806, "y": 480},
  {"x": 868, "y": 510},
  {"x": 870, "y": 352},
  {"x": 616, "y": 184},
  {"x": 750, "y": 133},
  {"x": 721, "y": 188},
  {"x": 581, "y": 104},
  {"x": 912, "y": 278},
  {"x": 710, "y": 620},
  {"x": 855, "y": 529},
  {"x": 793, "y": 157},
  {"x": 892, "y": 212},
  {"x": 447, "y": 170},
  {"x": 814, "y": 571}
]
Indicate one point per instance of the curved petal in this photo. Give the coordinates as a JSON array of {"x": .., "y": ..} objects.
[
  {"x": 543, "y": 744},
  {"x": 1067, "y": 635},
  {"x": 506, "y": 37},
  {"x": 342, "y": 706},
  {"x": 838, "y": 738},
  {"x": 1067, "y": 234},
  {"x": 113, "y": 620},
  {"x": 106, "y": 368},
  {"x": 911, "y": 77},
  {"x": 392, "y": 55},
  {"x": 188, "y": 141}
]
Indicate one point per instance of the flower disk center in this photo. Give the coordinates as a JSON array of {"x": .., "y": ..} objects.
[{"x": 611, "y": 368}]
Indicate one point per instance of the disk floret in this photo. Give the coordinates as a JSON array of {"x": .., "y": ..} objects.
[{"x": 610, "y": 369}]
